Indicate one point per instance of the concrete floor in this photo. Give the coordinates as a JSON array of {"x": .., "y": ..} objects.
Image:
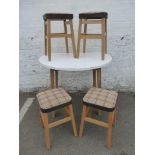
[{"x": 94, "y": 139}]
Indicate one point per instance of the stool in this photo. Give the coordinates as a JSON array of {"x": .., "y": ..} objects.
[
  {"x": 51, "y": 100},
  {"x": 93, "y": 18},
  {"x": 103, "y": 100},
  {"x": 67, "y": 19}
]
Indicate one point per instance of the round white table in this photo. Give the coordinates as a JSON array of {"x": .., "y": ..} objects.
[{"x": 66, "y": 62}]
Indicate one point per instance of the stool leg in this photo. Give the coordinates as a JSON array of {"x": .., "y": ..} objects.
[
  {"x": 88, "y": 110},
  {"x": 114, "y": 119},
  {"x": 49, "y": 39},
  {"x": 103, "y": 39},
  {"x": 84, "y": 40},
  {"x": 45, "y": 35},
  {"x": 41, "y": 121},
  {"x": 105, "y": 36},
  {"x": 109, "y": 134},
  {"x": 66, "y": 112},
  {"x": 72, "y": 38},
  {"x": 79, "y": 38},
  {"x": 73, "y": 119},
  {"x": 82, "y": 121},
  {"x": 46, "y": 129},
  {"x": 66, "y": 38}
]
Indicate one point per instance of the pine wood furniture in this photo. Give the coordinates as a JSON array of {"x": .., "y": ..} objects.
[
  {"x": 93, "y": 18},
  {"x": 67, "y": 19},
  {"x": 51, "y": 100},
  {"x": 100, "y": 99}
]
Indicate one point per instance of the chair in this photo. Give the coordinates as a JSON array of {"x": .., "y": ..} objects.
[
  {"x": 103, "y": 100},
  {"x": 67, "y": 19},
  {"x": 93, "y": 18},
  {"x": 51, "y": 100}
]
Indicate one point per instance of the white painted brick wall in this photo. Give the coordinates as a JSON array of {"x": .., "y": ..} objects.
[{"x": 119, "y": 75}]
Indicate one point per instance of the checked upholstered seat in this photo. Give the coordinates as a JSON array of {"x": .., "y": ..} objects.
[
  {"x": 101, "y": 99},
  {"x": 53, "y": 99}
]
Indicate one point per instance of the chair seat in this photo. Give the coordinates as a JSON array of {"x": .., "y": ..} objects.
[
  {"x": 93, "y": 15},
  {"x": 57, "y": 16},
  {"x": 53, "y": 99},
  {"x": 101, "y": 99}
]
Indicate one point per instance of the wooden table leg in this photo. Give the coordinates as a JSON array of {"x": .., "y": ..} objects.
[
  {"x": 98, "y": 77},
  {"x": 54, "y": 78},
  {"x": 94, "y": 77}
]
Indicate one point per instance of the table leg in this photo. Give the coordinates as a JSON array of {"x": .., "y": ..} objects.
[
  {"x": 94, "y": 77},
  {"x": 97, "y": 77},
  {"x": 54, "y": 78}
]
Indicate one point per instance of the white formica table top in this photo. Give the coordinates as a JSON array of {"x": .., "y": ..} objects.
[{"x": 66, "y": 62}]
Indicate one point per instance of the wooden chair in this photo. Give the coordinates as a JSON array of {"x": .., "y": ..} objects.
[
  {"x": 67, "y": 19},
  {"x": 51, "y": 100},
  {"x": 103, "y": 100},
  {"x": 93, "y": 18}
]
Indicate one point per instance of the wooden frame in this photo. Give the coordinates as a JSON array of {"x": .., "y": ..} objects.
[
  {"x": 108, "y": 125},
  {"x": 48, "y": 35},
  {"x": 47, "y": 125},
  {"x": 85, "y": 35}
]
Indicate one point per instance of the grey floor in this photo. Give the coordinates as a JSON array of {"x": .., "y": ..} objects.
[{"x": 93, "y": 142}]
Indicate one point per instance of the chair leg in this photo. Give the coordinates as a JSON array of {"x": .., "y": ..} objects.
[
  {"x": 73, "y": 120},
  {"x": 84, "y": 40},
  {"x": 114, "y": 119},
  {"x": 105, "y": 36},
  {"x": 88, "y": 110},
  {"x": 103, "y": 39},
  {"x": 82, "y": 120},
  {"x": 66, "y": 112},
  {"x": 46, "y": 129},
  {"x": 49, "y": 39},
  {"x": 41, "y": 121},
  {"x": 45, "y": 35},
  {"x": 109, "y": 133},
  {"x": 79, "y": 38},
  {"x": 72, "y": 38},
  {"x": 66, "y": 38}
]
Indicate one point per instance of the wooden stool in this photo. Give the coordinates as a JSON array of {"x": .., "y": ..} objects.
[
  {"x": 67, "y": 19},
  {"x": 93, "y": 18},
  {"x": 51, "y": 100},
  {"x": 104, "y": 100}
]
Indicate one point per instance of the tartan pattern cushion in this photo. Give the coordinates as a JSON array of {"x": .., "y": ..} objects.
[
  {"x": 52, "y": 98},
  {"x": 101, "y": 97}
]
